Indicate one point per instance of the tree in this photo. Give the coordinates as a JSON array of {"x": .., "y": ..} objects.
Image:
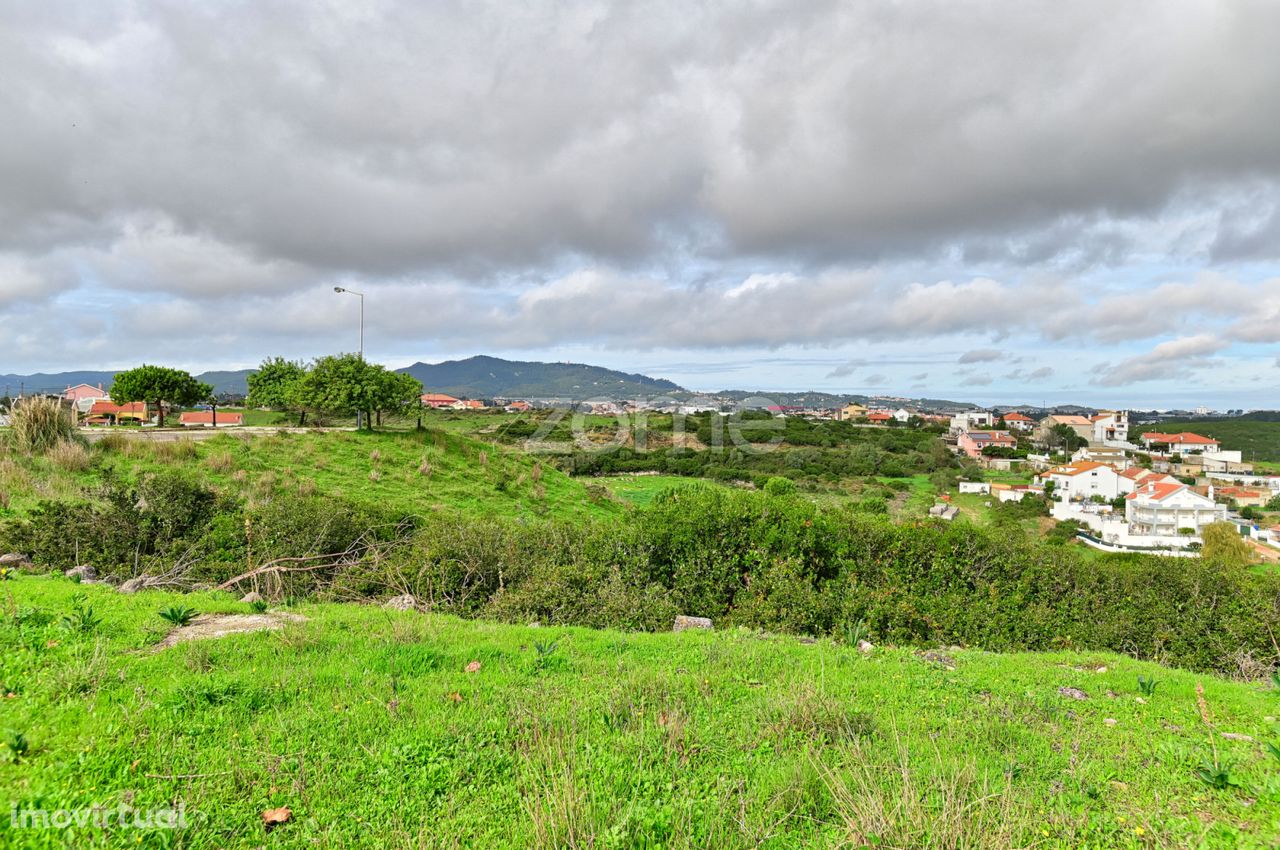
[
  {"x": 346, "y": 384},
  {"x": 275, "y": 385},
  {"x": 1223, "y": 543},
  {"x": 1065, "y": 436},
  {"x": 158, "y": 385}
]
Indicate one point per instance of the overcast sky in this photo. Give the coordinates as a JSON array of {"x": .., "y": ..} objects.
[{"x": 1002, "y": 202}]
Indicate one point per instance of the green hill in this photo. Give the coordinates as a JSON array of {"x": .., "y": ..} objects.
[
  {"x": 379, "y": 728},
  {"x": 490, "y": 377},
  {"x": 399, "y": 472}
]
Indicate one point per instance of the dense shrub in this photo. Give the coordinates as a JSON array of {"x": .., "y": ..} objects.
[{"x": 739, "y": 557}]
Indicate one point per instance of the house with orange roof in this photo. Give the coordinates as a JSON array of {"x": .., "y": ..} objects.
[
  {"x": 1015, "y": 421},
  {"x": 210, "y": 419},
  {"x": 438, "y": 400},
  {"x": 1165, "y": 509},
  {"x": 110, "y": 413},
  {"x": 1082, "y": 480},
  {"x": 879, "y": 417},
  {"x": 467, "y": 404},
  {"x": 1136, "y": 476},
  {"x": 519, "y": 407},
  {"x": 1183, "y": 442}
]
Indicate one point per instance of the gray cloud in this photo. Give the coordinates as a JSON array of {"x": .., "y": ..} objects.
[
  {"x": 1175, "y": 358},
  {"x": 1041, "y": 373},
  {"x": 696, "y": 176},
  {"x": 977, "y": 381},
  {"x": 980, "y": 355}
]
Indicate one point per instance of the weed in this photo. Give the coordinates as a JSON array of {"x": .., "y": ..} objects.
[
  {"x": 543, "y": 653},
  {"x": 81, "y": 618},
  {"x": 855, "y": 633},
  {"x": 16, "y": 745},
  {"x": 178, "y": 615},
  {"x": 1147, "y": 686},
  {"x": 258, "y": 606},
  {"x": 1216, "y": 773},
  {"x": 1273, "y": 750}
]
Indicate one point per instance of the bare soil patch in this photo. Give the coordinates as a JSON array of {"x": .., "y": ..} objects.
[{"x": 208, "y": 626}]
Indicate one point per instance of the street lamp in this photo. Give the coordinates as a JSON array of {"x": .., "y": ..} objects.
[{"x": 340, "y": 290}]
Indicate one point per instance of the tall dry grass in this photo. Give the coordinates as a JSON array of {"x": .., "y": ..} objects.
[
  {"x": 69, "y": 455},
  {"x": 899, "y": 805},
  {"x": 39, "y": 423}
]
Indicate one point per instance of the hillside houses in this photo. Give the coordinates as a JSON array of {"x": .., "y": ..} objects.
[
  {"x": 974, "y": 443},
  {"x": 1181, "y": 443},
  {"x": 1015, "y": 421},
  {"x": 1170, "y": 508},
  {"x": 1081, "y": 425}
]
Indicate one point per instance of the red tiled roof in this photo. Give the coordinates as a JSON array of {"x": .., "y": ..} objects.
[
  {"x": 205, "y": 417},
  {"x": 1017, "y": 417},
  {"x": 1156, "y": 491},
  {"x": 1076, "y": 468},
  {"x": 437, "y": 398},
  {"x": 879, "y": 417},
  {"x": 1186, "y": 437},
  {"x": 110, "y": 408}
]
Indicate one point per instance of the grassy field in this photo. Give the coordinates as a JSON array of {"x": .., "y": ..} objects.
[
  {"x": 368, "y": 727},
  {"x": 641, "y": 489},
  {"x": 1258, "y": 440},
  {"x": 411, "y": 472}
]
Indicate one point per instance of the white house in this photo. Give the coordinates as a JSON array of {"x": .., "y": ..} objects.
[
  {"x": 1016, "y": 421},
  {"x": 1111, "y": 426},
  {"x": 1181, "y": 443},
  {"x": 1082, "y": 480},
  {"x": 902, "y": 415},
  {"x": 971, "y": 420},
  {"x": 1162, "y": 508},
  {"x": 982, "y": 487}
]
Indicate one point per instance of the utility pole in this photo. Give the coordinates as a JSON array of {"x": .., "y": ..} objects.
[{"x": 340, "y": 290}]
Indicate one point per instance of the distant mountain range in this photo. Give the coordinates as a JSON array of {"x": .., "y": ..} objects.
[
  {"x": 492, "y": 377},
  {"x": 231, "y": 383}
]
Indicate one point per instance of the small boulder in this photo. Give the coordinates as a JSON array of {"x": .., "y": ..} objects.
[
  {"x": 133, "y": 585},
  {"x": 201, "y": 586},
  {"x": 404, "y": 602},
  {"x": 1073, "y": 693},
  {"x": 866, "y": 647},
  {"x": 251, "y": 597},
  {"x": 684, "y": 623},
  {"x": 84, "y": 573},
  {"x": 14, "y": 560},
  {"x": 114, "y": 581}
]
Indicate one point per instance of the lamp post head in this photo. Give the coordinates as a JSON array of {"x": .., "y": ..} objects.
[{"x": 338, "y": 289}]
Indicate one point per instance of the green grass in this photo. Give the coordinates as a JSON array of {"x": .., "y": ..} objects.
[
  {"x": 642, "y": 489},
  {"x": 366, "y": 725},
  {"x": 410, "y": 472}
]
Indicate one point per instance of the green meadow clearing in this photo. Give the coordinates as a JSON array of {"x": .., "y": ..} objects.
[{"x": 366, "y": 724}]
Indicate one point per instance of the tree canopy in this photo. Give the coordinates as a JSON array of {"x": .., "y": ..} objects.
[
  {"x": 157, "y": 385},
  {"x": 276, "y": 385},
  {"x": 347, "y": 384}
]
